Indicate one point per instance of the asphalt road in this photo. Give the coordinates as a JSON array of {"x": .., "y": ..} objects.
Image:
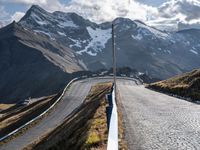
[
  {"x": 155, "y": 121},
  {"x": 152, "y": 121},
  {"x": 72, "y": 99}
]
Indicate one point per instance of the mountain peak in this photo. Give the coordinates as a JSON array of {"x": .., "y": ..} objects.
[
  {"x": 36, "y": 7},
  {"x": 122, "y": 20},
  {"x": 67, "y": 15}
]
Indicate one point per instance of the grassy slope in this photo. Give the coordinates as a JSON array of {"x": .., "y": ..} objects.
[
  {"x": 85, "y": 128},
  {"x": 5, "y": 106},
  {"x": 186, "y": 85},
  {"x": 19, "y": 116}
]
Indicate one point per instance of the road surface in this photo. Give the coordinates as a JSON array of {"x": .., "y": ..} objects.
[
  {"x": 155, "y": 121},
  {"x": 72, "y": 99},
  {"x": 152, "y": 121}
]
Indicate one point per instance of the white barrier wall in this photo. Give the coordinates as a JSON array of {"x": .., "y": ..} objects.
[{"x": 113, "y": 128}]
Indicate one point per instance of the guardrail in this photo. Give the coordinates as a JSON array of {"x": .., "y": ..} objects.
[
  {"x": 113, "y": 125},
  {"x": 16, "y": 130}
]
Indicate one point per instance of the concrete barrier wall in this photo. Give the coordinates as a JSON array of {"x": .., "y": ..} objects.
[{"x": 113, "y": 126}]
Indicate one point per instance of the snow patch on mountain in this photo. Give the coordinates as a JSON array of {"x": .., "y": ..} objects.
[
  {"x": 99, "y": 38},
  {"x": 169, "y": 51},
  {"x": 61, "y": 33},
  {"x": 137, "y": 37},
  {"x": 194, "y": 52},
  {"x": 45, "y": 33},
  {"x": 76, "y": 43},
  {"x": 38, "y": 19},
  {"x": 67, "y": 23},
  {"x": 147, "y": 30}
]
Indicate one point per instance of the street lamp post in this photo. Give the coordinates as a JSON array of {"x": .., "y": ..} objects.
[{"x": 114, "y": 56}]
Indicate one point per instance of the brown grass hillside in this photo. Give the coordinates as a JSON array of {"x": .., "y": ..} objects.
[
  {"x": 185, "y": 85},
  {"x": 84, "y": 129}
]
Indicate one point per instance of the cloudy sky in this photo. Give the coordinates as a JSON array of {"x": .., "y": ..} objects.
[{"x": 153, "y": 12}]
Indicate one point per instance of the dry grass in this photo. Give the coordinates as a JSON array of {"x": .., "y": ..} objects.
[
  {"x": 97, "y": 131},
  {"x": 17, "y": 117},
  {"x": 20, "y": 115},
  {"x": 5, "y": 106},
  {"x": 122, "y": 140},
  {"x": 186, "y": 85},
  {"x": 84, "y": 129}
]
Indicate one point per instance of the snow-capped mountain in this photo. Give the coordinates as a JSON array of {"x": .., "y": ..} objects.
[
  {"x": 68, "y": 28},
  {"x": 139, "y": 46}
]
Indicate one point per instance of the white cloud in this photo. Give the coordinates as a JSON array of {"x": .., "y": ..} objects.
[
  {"x": 4, "y": 17},
  {"x": 170, "y": 13},
  {"x": 28, "y": 2},
  {"x": 152, "y": 2},
  {"x": 190, "y": 9},
  {"x": 98, "y": 11},
  {"x": 177, "y": 12},
  {"x": 107, "y": 10},
  {"x": 3, "y": 14},
  {"x": 17, "y": 16},
  {"x": 49, "y": 5}
]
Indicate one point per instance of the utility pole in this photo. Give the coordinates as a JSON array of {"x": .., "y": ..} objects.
[{"x": 114, "y": 56}]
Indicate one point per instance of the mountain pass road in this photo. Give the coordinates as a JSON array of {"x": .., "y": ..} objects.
[{"x": 155, "y": 121}]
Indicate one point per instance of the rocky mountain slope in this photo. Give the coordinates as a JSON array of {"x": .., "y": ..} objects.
[
  {"x": 38, "y": 53},
  {"x": 157, "y": 53},
  {"x": 31, "y": 65}
]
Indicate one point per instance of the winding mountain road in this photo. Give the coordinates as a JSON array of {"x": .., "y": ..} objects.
[
  {"x": 152, "y": 121},
  {"x": 72, "y": 99},
  {"x": 155, "y": 121}
]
